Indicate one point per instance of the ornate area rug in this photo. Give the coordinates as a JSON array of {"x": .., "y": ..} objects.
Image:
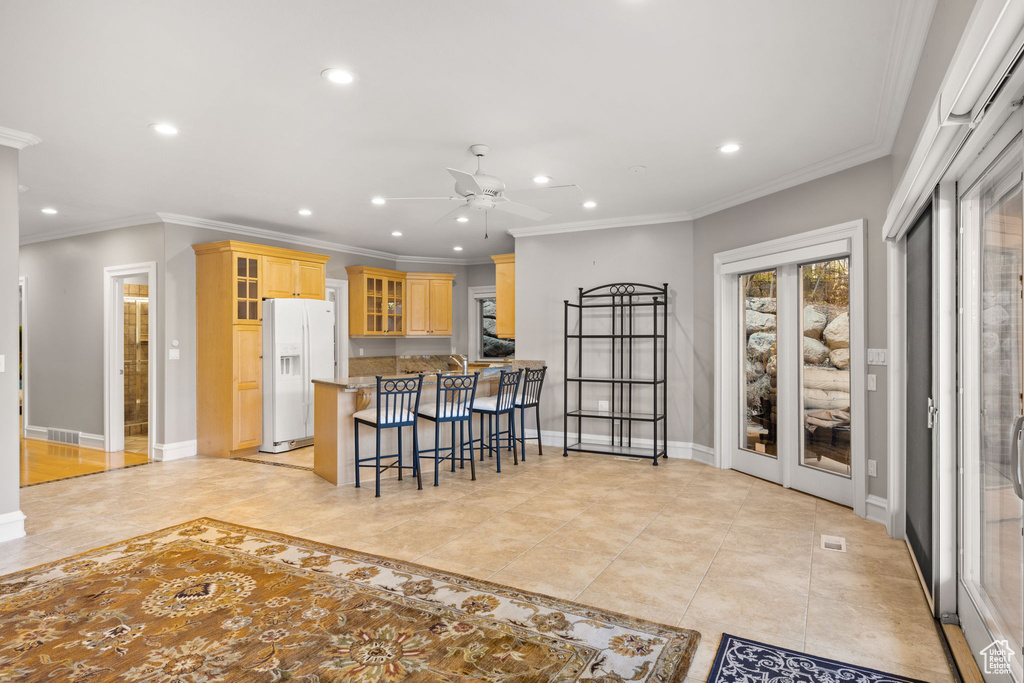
[
  {"x": 745, "y": 661},
  {"x": 212, "y": 601}
]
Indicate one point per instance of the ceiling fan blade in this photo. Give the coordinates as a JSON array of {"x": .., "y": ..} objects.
[
  {"x": 467, "y": 179},
  {"x": 547, "y": 191},
  {"x": 457, "y": 211},
  {"x": 411, "y": 199},
  {"x": 521, "y": 210}
]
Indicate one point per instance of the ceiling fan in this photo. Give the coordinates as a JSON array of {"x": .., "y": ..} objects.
[{"x": 484, "y": 193}]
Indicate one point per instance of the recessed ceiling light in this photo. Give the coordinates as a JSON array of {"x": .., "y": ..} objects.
[
  {"x": 164, "y": 128},
  {"x": 590, "y": 204},
  {"x": 338, "y": 76},
  {"x": 305, "y": 212},
  {"x": 457, "y": 248},
  {"x": 729, "y": 148},
  {"x": 379, "y": 201},
  {"x": 396, "y": 233},
  {"x": 462, "y": 219},
  {"x": 50, "y": 210},
  {"x": 541, "y": 179}
]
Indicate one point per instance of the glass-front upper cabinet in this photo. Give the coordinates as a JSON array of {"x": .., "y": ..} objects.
[
  {"x": 376, "y": 301},
  {"x": 247, "y": 288}
]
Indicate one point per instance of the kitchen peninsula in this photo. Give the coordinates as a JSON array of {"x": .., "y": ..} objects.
[{"x": 337, "y": 399}]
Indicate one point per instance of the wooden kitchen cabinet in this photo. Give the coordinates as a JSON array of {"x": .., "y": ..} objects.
[
  {"x": 429, "y": 304},
  {"x": 505, "y": 295},
  {"x": 290, "y": 277},
  {"x": 376, "y": 302},
  {"x": 232, "y": 279}
]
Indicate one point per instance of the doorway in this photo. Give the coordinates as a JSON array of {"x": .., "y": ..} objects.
[
  {"x": 790, "y": 367},
  {"x": 129, "y": 317},
  {"x": 990, "y": 586}
]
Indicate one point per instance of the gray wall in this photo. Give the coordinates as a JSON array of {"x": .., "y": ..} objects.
[
  {"x": 550, "y": 268},
  {"x": 9, "y": 437},
  {"x": 64, "y": 321},
  {"x": 480, "y": 275},
  {"x": 861, "y": 192}
]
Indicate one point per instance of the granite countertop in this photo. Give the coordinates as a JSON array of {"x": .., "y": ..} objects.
[{"x": 429, "y": 379}]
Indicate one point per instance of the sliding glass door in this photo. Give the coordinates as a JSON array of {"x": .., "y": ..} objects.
[
  {"x": 991, "y": 584},
  {"x": 794, "y": 421}
]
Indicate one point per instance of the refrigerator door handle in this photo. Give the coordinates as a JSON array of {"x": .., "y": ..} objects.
[{"x": 307, "y": 365}]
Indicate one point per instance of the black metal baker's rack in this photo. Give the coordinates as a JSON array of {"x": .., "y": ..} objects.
[{"x": 635, "y": 380}]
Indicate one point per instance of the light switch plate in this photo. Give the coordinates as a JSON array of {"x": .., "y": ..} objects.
[
  {"x": 877, "y": 357},
  {"x": 872, "y": 384},
  {"x": 173, "y": 354},
  {"x": 3, "y": 363}
]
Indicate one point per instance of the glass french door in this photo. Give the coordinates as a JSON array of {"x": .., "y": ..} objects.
[
  {"x": 796, "y": 413},
  {"x": 990, "y": 585}
]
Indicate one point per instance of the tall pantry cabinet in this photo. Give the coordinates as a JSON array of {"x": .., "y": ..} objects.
[{"x": 232, "y": 279}]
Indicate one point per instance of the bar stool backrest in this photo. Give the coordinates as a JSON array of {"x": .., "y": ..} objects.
[
  {"x": 455, "y": 395},
  {"x": 533, "y": 382},
  {"x": 398, "y": 400},
  {"x": 508, "y": 387}
]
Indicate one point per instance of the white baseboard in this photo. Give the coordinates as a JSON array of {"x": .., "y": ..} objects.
[
  {"x": 877, "y": 509},
  {"x": 684, "y": 450},
  {"x": 85, "y": 440},
  {"x": 174, "y": 451},
  {"x": 12, "y": 525}
]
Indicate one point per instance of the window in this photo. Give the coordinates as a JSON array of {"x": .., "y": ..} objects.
[{"x": 484, "y": 344}]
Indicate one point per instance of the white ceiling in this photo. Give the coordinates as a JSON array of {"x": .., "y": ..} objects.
[{"x": 579, "y": 90}]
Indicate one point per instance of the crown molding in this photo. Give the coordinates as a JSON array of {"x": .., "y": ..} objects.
[
  {"x": 841, "y": 162},
  {"x": 100, "y": 226},
  {"x": 910, "y": 32},
  {"x": 601, "y": 224},
  {"x": 234, "y": 228},
  {"x": 194, "y": 222},
  {"x": 16, "y": 139}
]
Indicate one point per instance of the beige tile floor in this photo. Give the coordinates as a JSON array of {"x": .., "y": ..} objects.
[{"x": 683, "y": 544}]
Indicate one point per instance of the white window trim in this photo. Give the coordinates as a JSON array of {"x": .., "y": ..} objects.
[
  {"x": 833, "y": 241},
  {"x": 475, "y": 295}
]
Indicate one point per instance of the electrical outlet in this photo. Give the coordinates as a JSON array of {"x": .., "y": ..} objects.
[
  {"x": 173, "y": 354},
  {"x": 602, "y": 405},
  {"x": 360, "y": 350},
  {"x": 872, "y": 468},
  {"x": 872, "y": 383},
  {"x": 3, "y": 363}
]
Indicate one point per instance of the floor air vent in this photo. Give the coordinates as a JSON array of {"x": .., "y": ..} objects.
[
  {"x": 63, "y": 436},
  {"x": 622, "y": 457},
  {"x": 836, "y": 543}
]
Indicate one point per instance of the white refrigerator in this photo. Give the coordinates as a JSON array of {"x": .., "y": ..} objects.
[{"x": 298, "y": 346}]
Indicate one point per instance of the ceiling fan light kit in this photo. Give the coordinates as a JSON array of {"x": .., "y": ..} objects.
[{"x": 484, "y": 192}]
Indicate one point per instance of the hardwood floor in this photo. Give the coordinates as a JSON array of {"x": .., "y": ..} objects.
[{"x": 43, "y": 461}]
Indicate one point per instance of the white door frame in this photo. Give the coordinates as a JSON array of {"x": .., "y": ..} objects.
[
  {"x": 340, "y": 288},
  {"x": 23, "y": 287},
  {"x": 475, "y": 294},
  {"x": 113, "y": 352},
  {"x": 815, "y": 245}
]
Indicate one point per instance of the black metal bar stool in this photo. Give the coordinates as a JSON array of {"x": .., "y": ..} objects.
[
  {"x": 455, "y": 395},
  {"x": 502, "y": 403},
  {"x": 398, "y": 402},
  {"x": 529, "y": 397}
]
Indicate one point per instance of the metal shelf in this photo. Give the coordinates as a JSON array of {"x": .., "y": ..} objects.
[
  {"x": 615, "y": 380},
  {"x": 615, "y": 336},
  {"x": 616, "y": 415},
  {"x": 632, "y": 362},
  {"x": 613, "y": 449}
]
